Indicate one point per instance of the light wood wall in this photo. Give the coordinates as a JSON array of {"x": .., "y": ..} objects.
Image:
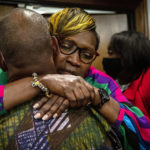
[{"x": 4, "y": 9}]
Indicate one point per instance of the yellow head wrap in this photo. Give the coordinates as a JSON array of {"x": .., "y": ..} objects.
[{"x": 70, "y": 21}]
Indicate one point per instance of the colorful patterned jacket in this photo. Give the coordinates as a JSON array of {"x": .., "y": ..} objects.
[{"x": 132, "y": 126}]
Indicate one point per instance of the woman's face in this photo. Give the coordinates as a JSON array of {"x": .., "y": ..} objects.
[{"x": 72, "y": 63}]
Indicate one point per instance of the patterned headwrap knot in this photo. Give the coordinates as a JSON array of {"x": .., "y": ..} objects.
[{"x": 70, "y": 21}]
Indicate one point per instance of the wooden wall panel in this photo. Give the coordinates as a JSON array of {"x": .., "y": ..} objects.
[
  {"x": 141, "y": 16},
  {"x": 4, "y": 9}
]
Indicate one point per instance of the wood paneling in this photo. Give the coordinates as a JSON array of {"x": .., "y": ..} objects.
[
  {"x": 99, "y": 4},
  {"x": 141, "y": 16},
  {"x": 4, "y": 9}
]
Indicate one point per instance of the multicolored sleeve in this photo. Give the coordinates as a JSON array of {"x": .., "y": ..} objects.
[
  {"x": 132, "y": 126},
  {"x": 2, "y": 110}
]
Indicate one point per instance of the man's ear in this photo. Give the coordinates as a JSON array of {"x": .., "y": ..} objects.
[
  {"x": 2, "y": 63},
  {"x": 55, "y": 45}
]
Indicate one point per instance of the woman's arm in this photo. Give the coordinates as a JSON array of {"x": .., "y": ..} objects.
[
  {"x": 68, "y": 86},
  {"x": 132, "y": 126},
  {"x": 18, "y": 92},
  {"x": 110, "y": 110},
  {"x": 56, "y": 105}
]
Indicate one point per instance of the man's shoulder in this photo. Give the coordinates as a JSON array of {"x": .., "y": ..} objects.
[
  {"x": 69, "y": 128},
  {"x": 10, "y": 122}
]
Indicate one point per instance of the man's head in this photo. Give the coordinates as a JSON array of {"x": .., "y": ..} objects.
[
  {"x": 25, "y": 44},
  {"x": 78, "y": 41}
]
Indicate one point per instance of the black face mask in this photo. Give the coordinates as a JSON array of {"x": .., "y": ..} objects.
[{"x": 112, "y": 66}]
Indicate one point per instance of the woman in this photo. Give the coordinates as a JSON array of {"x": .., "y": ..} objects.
[
  {"x": 132, "y": 50},
  {"x": 70, "y": 29}
]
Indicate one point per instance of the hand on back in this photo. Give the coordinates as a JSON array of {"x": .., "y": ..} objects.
[{"x": 75, "y": 90}]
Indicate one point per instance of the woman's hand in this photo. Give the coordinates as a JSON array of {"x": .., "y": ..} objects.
[
  {"x": 74, "y": 88},
  {"x": 56, "y": 105},
  {"x": 52, "y": 107}
]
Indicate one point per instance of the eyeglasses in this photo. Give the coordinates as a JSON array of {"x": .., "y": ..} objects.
[{"x": 68, "y": 47}]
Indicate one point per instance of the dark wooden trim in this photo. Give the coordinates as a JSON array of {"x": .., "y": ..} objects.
[
  {"x": 131, "y": 20},
  {"x": 121, "y": 5},
  {"x": 136, "y": 10}
]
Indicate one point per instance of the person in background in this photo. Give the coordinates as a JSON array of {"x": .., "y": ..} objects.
[{"x": 130, "y": 65}]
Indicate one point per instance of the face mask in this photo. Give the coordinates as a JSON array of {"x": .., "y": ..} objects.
[{"x": 112, "y": 66}]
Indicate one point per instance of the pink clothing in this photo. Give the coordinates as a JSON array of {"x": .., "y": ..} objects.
[
  {"x": 2, "y": 110},
  {"x": 1, "y": 90}
]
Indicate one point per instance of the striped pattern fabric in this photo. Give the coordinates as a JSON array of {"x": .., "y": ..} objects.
[
  {"x": 35, "y": 138},
  {"x": 60, "y": 123},
  {"x": 132, "y": 126}
]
